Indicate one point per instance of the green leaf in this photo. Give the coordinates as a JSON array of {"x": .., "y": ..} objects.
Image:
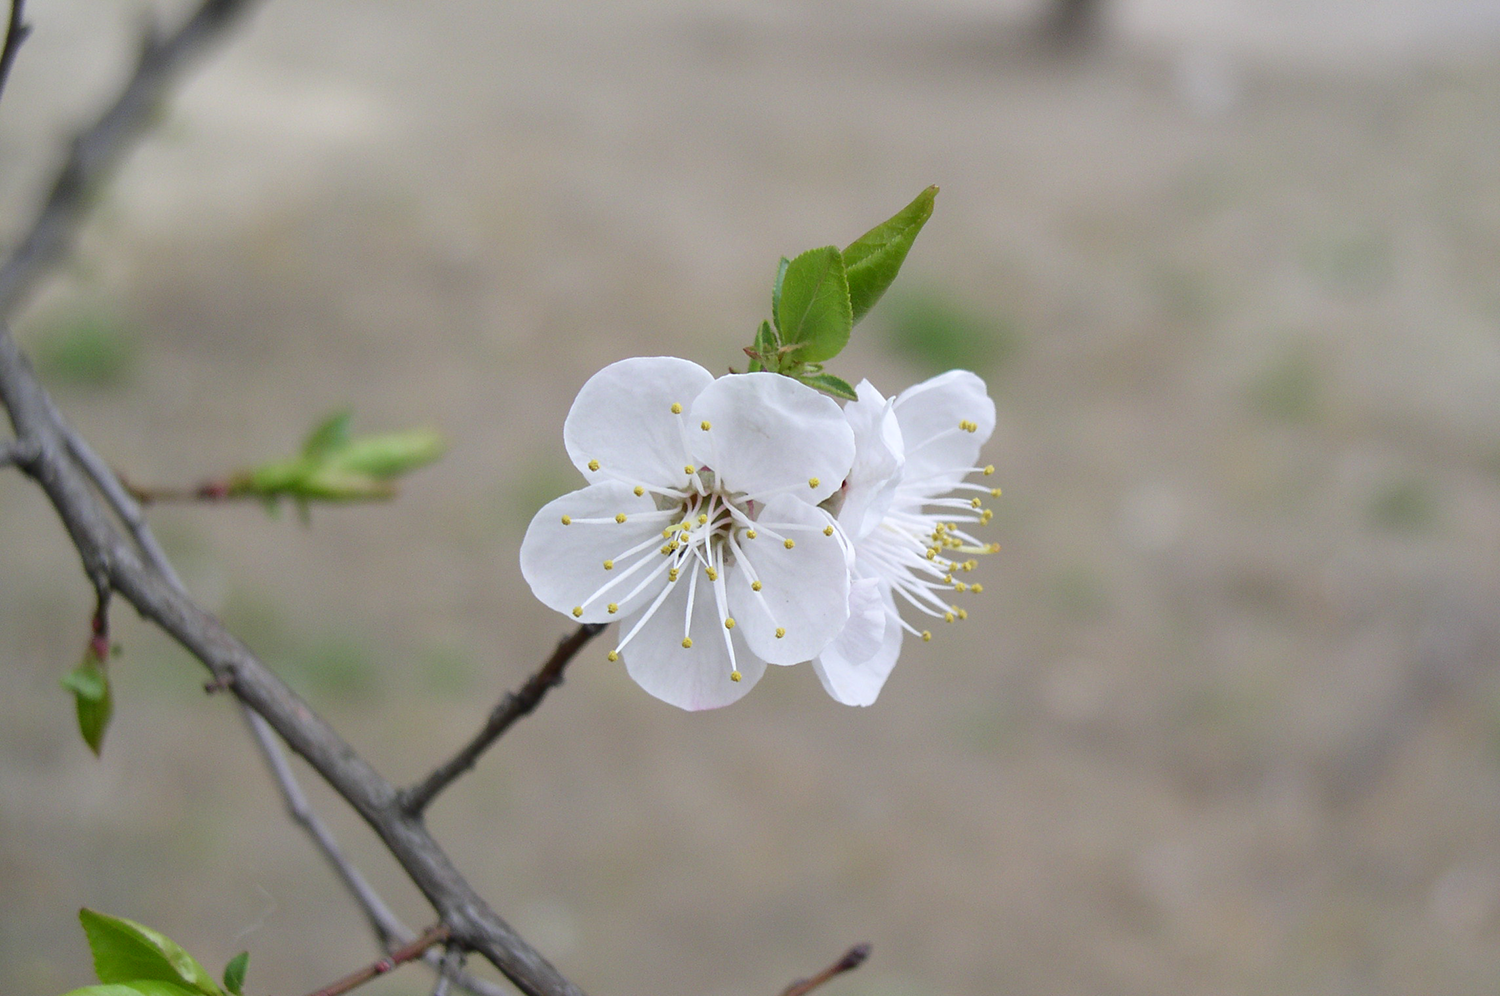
[
  {"x": 781, "y": 269},
  {"x": 135, "y": 987},
  {"x": 234, "y": 972},
  {"x": 94, "y": 701},
  {"x": 330, "y": 434},
  {"x": 875, "y": 257},
  {"x": 832, "y": 385},
  {"x": 127, "y": 953},
  {"x": 388, "y": 455},
  {"x": 813, "y": 311}
]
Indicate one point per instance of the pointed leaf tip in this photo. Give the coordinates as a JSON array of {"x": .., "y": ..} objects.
[
  {"x": 874, "y": 259},
  {"x": 234, "y": 973}
]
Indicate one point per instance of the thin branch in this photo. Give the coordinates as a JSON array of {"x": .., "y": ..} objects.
[
  {"x": 45, "y": 444},
  {"x": 16, "y": 32},
  {"x": 103, "y": 548},
  {"x": 100, "y": 147},
  {"x": 388, "y": 928},
  {"x": 509, "y": 709},
  {"x": 402, "y": 955},
  {"x": 850, "y": 960},
  {"x": 452, "y": 964}
]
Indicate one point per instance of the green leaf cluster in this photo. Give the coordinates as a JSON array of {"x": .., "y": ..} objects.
[
  {"x": 335, "y": 466},
  {"x": 132, "y": 960},
  {"x": 92, "y": 695},
  {"x": 821, "y": 294}
]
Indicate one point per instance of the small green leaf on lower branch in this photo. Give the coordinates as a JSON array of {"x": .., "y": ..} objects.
[
  {"x": 234, "y": 973},
  {"x": 89, "y": 683},
  {"x": 126, "y": 952}
]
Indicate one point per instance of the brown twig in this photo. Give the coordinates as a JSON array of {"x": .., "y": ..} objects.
[
  {"x": 513, "y": 706},
  {"x": 207, "y": 491},
  {"x": 850, "y": 960},
  {"x": 400, "y": 956}
]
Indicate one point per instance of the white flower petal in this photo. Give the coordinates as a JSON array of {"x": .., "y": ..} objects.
[
  {"x": 623, "y": 419},
  {"x": 938, "y": 452},
  {"x": 858, "y": 682},
  {"x": 878, "y": 459},
  {"x": 695, "y": 677},
  {"x": 804, "y": 589},
  {"x": 769, "y": 434},
  {"x": 565, "y": 564}
]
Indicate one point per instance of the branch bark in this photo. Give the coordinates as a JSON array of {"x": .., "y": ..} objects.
[
  {"x": 512, "y": 707},
  {"x": 99, "y": 148},
  {"x": 105, "y": 553}
]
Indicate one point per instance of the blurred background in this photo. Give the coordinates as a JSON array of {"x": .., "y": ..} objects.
[{"x": 1226, "y": 719}]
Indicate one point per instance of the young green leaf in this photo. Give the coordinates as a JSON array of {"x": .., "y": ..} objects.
[
  {"x": 330, "y": 434},
  {"x": 89, "y": 683},
  {"x": 875, "y": 257},
  {"x": 776, "y": 290},
  {"x": 764, "y": 350},
  {"x": 813, "y": 311},
  {"x": 127, "y": 953},
  {"x": 234, "y": 973},
  {"x": 389, "y": 454},
  {"x": 135, "y": 987},
  {"x": 831, "y": 385}
]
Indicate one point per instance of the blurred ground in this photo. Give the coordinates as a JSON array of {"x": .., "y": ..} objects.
[{"x": 1227, "y": 717}]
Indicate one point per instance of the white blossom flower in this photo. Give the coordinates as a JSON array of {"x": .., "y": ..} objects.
[
  {"x": 904, "y": 523},
  {"x": 699, "y": 529}
]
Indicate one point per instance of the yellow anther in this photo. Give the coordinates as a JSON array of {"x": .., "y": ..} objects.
[
  {"x": 735, "y": 676},
  {"x": 827, "y": 530},
  {"x": 705, "y": 425},
  {"x": 749, "y": 534},
  {"x": 688, "y": 469},
  {"x": 593, "y": 465},
  {"x": 613, "y": 656},
  {"x": 994, "y": 492},
  {"x": 729, "y": 623},
  {"x": 639, "y": 490},
  {"x": 931, "y": 553},
  {"x": 712, "y": 572},
  {"x": 813, "y": 482},
  {"x": 672, "y": 574},
  {"x": 667, "y": 532},
  {"x": 780, "y": 632},
  {"x": 926, "y": 636},
  {"x": 687, "y": 643},
  {"x": 620, "y": 517},
  {"x": 577, "y": 611},
  {"x": 755, "y": 586},
  {"x": 947, "y": 617},
  {"x": 976, "y": 588},
  {"x": 788, "y": 543},
  {"x": 613, "y": 608},
  {"x": 960, "y": 586},
  {"x": 676, "y": 408},
  {"x": 989, "y": 470},
  {"x": 667, "y": 549},
  {"x": 702, "y": 518},
  {"x": 963, "y": 613},
  {"x": 994, "y": 548},
  {"x": 947, "y": 579},
  {"x": 975, "y": 503},
  {"x": 609, "y": 565},
  {"x": 567, "y": 520}
]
